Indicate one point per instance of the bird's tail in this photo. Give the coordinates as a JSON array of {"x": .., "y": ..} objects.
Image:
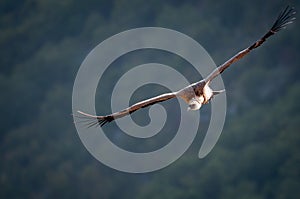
[{"x": 218, "y": 92}]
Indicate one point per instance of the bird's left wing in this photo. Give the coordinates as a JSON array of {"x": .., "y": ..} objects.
[
  {"x": 286, "y": 17},
  {"x": 93, "y": 120}
]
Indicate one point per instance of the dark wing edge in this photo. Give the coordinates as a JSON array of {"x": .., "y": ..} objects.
[
  {"x": 94, "y": 120},
  {"x": 286, "y": 17},
  {"x": 91, "y": 120}
]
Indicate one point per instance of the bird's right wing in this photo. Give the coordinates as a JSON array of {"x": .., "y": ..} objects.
[
  {"x": 92, "y": 120},
  {"x": 286, "y": 17}
]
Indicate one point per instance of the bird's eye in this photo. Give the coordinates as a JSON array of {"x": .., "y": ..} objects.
[{"x": 192, "y": 106}]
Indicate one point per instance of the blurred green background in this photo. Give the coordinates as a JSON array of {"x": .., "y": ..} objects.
[{"x": 42, "y": 45}]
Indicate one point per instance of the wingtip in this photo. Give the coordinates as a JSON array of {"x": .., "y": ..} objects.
[
  {"x": 93, "y": 120},
  {"x": 286, "y": 17},
  {"x": 86, "y": 114}
]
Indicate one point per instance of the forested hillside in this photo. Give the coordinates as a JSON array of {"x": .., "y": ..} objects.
[{"x": 43, "y": 44}]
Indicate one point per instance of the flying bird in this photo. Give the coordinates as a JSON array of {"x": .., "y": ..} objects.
[{"x": 199, "y": 93}]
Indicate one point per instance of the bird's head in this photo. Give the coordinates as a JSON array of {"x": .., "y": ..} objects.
[{"x": 194, "y": 105}]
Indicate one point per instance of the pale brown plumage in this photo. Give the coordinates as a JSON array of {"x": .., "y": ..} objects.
[{"x": 197, "y": 93}]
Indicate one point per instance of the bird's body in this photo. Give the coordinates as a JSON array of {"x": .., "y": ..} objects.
[
  {"x": 196, "y": 94},
  {"x": 199, "y": 93}
]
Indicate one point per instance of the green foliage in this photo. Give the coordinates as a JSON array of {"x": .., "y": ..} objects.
[{"x": 42, "y": 46}]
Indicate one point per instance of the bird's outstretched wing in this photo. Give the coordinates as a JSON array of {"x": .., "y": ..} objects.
[
  {"x": 286, "y": 17},
  {"x": 92, "y": 120}
]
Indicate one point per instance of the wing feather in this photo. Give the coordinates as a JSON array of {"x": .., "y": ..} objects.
[
  {"x": 286, "y": 17},
  {"x": 93, "y": 120}
]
